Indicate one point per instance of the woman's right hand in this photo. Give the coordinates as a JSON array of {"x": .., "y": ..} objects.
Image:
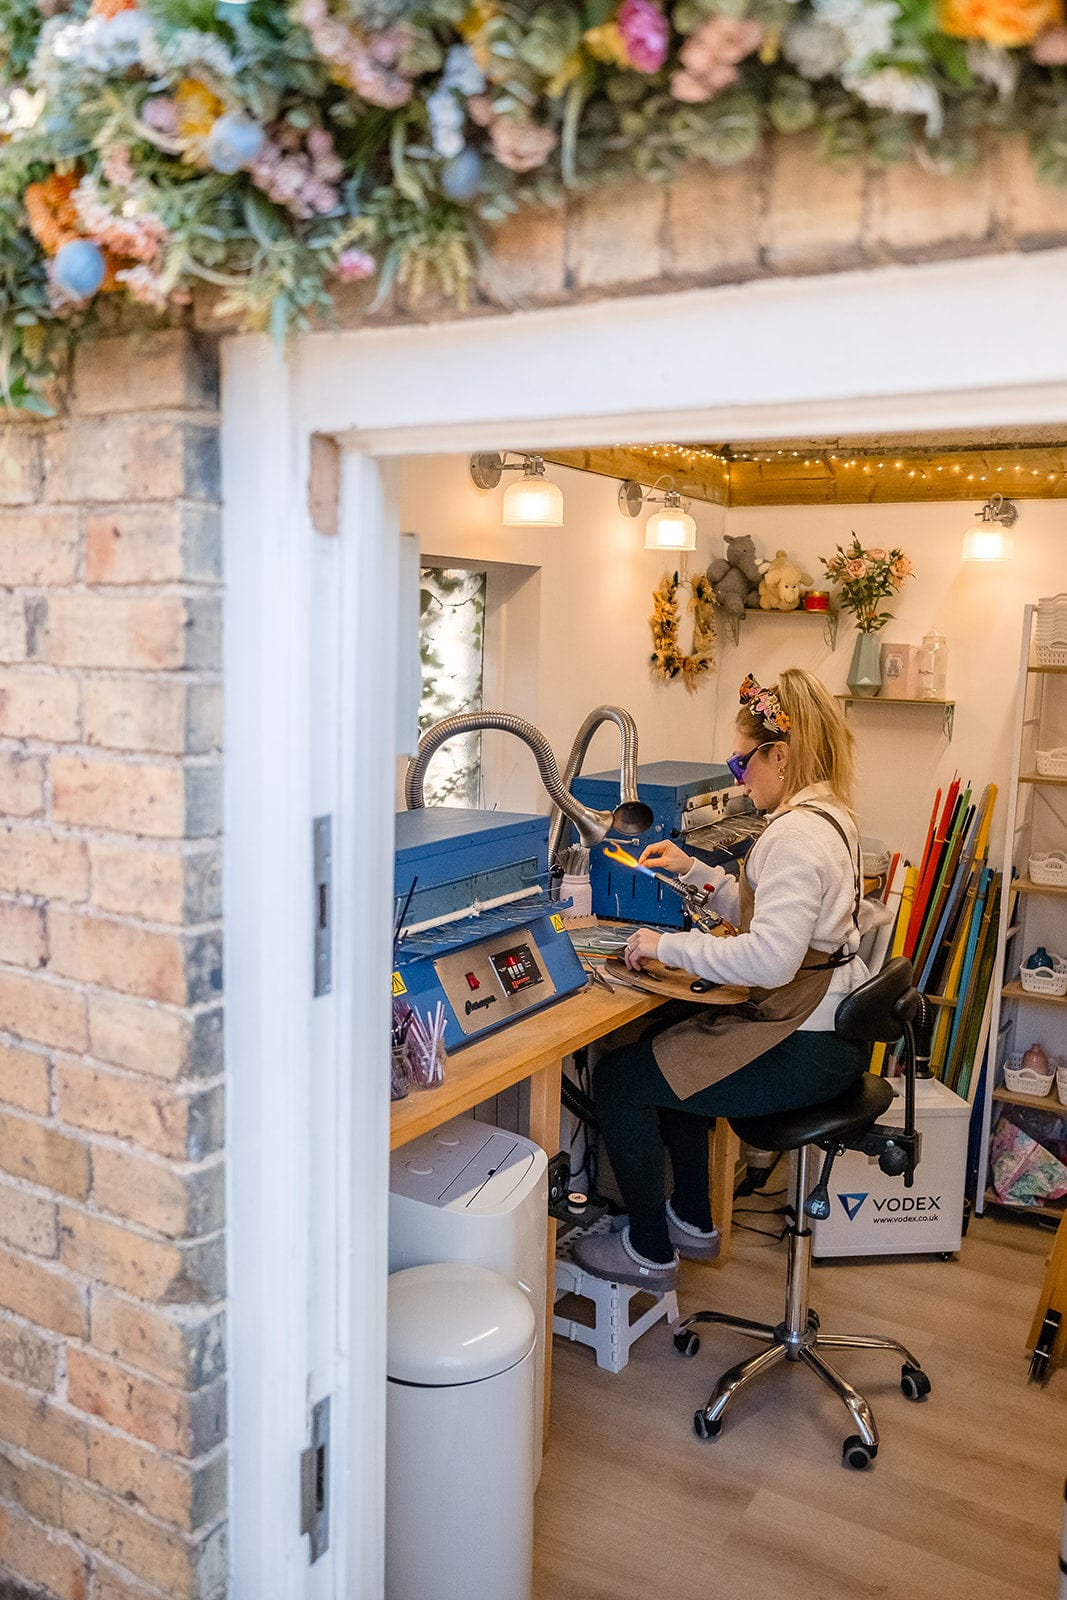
[{"x": 666, "y": 856}]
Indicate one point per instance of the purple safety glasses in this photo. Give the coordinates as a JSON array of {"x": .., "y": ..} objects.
[{"x": 738, "y": 764}]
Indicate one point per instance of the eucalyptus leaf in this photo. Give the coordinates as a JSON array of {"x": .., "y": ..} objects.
[{"x": 261, "y": 218}]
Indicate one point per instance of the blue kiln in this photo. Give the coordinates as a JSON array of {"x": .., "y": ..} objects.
[
  {"x": 480, "y": 933},
  {"x": 664, "y": 786}
]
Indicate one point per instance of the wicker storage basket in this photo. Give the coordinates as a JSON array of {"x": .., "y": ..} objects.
[
  {"x": 1046, "y": 980},
  {"x": 1021, "y": 1080},
  {"x": 1052, "y": 763},
  {"x": 1049, "y": 868},
  {"x": 1061, "y": 1084},
  {"x": 1051, "y": 655}
]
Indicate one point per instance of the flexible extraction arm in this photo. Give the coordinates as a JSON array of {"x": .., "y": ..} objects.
[{"x": 629, "y": 818}]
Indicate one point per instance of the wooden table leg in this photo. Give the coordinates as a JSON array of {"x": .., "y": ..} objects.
[
  {"x": 1053, "y": 1297},
  {"x": 725, "y": 1149},
  {"x": 544, "y": 1130}
]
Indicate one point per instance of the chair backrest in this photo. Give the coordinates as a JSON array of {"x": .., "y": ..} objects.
[{"x": 878, "y": 1010}]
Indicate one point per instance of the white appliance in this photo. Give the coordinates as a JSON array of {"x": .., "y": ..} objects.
[
  {"x": 459, "y": 1506},
  {"x": 872, "y": 1215},
  {"x": 471, "y": 1192}
]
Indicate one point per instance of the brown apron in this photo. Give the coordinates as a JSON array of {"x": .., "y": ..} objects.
[{"x": 711, "y": 1045}]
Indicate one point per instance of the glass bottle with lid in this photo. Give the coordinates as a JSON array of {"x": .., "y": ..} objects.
[{"x": 933, "y": 665}]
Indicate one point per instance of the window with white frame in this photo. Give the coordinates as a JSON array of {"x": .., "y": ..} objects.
[{"x": 452, "y": 659}]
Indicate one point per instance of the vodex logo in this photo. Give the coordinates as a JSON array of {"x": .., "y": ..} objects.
[{"x": 894, "y": 1207}]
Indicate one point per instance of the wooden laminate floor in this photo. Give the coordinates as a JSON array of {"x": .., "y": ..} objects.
[{"x": 965, "y": 1500}]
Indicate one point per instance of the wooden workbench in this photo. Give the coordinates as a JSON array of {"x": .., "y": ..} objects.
[{"x": 535, "y": 1048}]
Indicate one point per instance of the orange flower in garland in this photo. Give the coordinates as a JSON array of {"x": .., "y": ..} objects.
[
  {"x": 51, "y": 211},
  {"x": 111, "y": 8},
  {"x": 54, "y": 221},
  {"x": 1000, "y": 22}
]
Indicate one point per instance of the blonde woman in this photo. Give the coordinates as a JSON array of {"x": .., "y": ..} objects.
[{"x": 798, "y": 906}]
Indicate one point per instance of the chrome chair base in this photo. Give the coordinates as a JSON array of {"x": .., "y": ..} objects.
[{"x": 799, "y": 1338}]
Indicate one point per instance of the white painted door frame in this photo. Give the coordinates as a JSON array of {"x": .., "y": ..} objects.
[{"x": 310, "y": 669}]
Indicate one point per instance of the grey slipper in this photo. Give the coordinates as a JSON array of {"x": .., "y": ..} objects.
[
  {"x": 690, "y": 1246},
  {"x": 612, "y": 1257}
]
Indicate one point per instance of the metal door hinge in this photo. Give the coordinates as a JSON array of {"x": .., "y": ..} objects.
[
  {"x": 322, "y": 857},
  {"x": 315, "y": 1482}
]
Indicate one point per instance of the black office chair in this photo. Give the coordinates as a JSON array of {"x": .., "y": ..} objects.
[{"x": 882, "y": 1009}]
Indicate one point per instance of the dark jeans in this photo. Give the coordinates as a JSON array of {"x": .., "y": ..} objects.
[{"x": 641, "y": 1118}]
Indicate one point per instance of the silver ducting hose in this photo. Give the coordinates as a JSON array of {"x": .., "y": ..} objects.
[
  {"x": 592, "y": 825},
  {"x": 627, "y": 771}
]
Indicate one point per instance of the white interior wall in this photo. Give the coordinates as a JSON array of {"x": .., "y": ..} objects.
[
  {"x": 576, "y": 628},
  {"x": 902, "y": 753},
  {"x": 579, "y": 622}
]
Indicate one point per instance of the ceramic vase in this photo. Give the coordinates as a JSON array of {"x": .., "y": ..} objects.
[{"x": 865, "y": 672}]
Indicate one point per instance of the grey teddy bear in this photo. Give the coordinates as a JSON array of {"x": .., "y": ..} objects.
[{"x": 735, "y": 577}]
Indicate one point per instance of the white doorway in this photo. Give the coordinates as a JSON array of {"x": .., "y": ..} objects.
[{"x": 311, "y": 629}]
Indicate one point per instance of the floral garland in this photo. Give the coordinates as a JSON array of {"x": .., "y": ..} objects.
[
  {"x": 278, "y": 148},
  {"x": 667, "y": 658}
]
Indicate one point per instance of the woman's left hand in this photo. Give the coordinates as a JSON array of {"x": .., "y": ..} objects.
[{"x": 641, "y": 948}]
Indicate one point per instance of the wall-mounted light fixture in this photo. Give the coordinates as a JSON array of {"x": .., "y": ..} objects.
[
  {"x": 533, "y": 501},
  {"x": 992, "y": 540},
  {"x": 672, "y": 528}
]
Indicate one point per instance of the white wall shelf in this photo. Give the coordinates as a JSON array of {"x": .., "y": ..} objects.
[
  {"x": 948, "y": 707},
  {"x": 733, "y": 621}
]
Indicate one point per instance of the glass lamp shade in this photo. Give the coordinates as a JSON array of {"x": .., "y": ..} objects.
[
  {"x": 671, "y": 529},
  {"x": 988, "y": 544},
  {"x": 533, "y": 501}
]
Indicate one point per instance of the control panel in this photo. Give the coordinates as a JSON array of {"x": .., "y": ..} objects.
[{"x": 495, "y": 980}]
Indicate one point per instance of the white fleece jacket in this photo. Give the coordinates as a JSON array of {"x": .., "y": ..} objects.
[{"x": 804, "y": 883}]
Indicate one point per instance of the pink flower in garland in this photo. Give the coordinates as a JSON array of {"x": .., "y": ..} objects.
[
  {"x": 710, "y": 57},
  {"x": 353, "y": 264},
  {"x": 644, "y": 32},
  {"x": 521, "y": 146},
  {"x": 1050, "y": 48}
]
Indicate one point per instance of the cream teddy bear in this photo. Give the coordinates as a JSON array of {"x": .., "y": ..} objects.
[{"x": 781, "y": 585}]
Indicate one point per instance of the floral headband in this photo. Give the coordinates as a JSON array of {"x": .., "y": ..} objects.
[{"x": 764, "y": 704}]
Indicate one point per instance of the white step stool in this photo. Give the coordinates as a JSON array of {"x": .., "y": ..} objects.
[{"x": 613, "y": 1333}]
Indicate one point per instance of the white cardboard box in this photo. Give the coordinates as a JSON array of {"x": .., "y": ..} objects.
[
  {"x": 900, "y": 671},
  {"x": 873, "y": 1215}
]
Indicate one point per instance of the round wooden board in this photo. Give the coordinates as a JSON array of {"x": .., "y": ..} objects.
[{"x": 672, "y": 983}]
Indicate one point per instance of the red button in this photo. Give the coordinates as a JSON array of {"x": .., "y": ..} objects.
[{"x": 472, "y": 982}]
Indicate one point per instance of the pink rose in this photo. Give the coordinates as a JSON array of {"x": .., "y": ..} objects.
[
  {"x": 855, "y": 569},
  {"x": 696, "y": 90},
  {"x": 354, "y": 264},
  {"x": 521, "y": 146},
  {"x": 877, "y": 555},
  {"x": 644, "y": 31},
  {"x": 1049, "y": 49},
  {"x": 720, "y": 40},
  {"x": 902, "y": 568},
  {"x": 710, "y": 56}
]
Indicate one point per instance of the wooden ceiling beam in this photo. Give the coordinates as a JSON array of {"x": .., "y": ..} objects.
[{"x": 773, "y": 475}]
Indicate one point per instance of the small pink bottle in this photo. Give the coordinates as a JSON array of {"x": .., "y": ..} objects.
[{"x": 1036, "y": 1060}]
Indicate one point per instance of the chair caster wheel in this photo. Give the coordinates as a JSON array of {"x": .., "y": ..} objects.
[
  {"x": 705, "y": 1429},
  {"x": 687, "y": 1343},
  {"x": 914, "y": 1384},
  {"x": 856, "y": 1454}
]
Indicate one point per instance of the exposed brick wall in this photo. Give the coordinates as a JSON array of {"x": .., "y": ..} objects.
[{"x": 112, "y": 1347}]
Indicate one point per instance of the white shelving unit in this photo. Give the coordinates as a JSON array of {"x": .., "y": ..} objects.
[{"x": 1034, "y": 914}]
